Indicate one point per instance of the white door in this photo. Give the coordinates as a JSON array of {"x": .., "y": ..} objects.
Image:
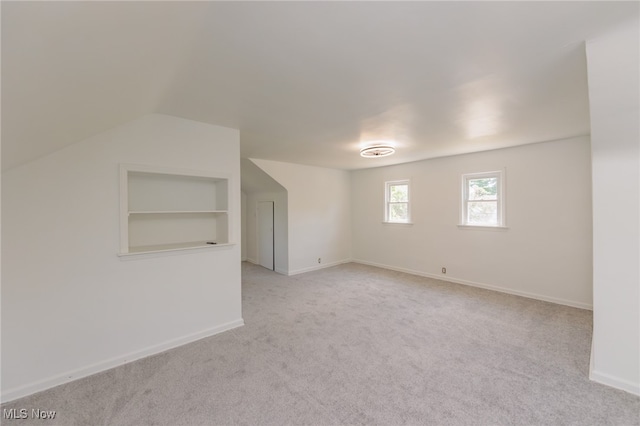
[{"x": 265, "y": 234}]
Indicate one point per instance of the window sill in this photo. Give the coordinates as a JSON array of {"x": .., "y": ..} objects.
[
  {"x": 484, "y": 227},
  {"x": 398, "y": 223}
]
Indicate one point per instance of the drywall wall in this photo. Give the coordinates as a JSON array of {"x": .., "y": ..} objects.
[
  {"x": 319, "y": 214},
  {"x": 281, "y": 250},
  {"x": 243, "y": 226},
  {"x": 259, "y": 186},
  {"x": 545, "y": 252},
  {"x": 70, "y": 305},
  {"x": 613, "y": 67}
]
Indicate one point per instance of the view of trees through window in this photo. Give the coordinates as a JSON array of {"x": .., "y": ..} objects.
[
  {"x": 398, "y": 203},
  {"x": 482, "y": 201}
]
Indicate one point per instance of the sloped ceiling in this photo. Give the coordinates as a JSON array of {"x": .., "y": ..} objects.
[
  {"x": 255, "y": 180},
  {"x": 308, "y": 82}
]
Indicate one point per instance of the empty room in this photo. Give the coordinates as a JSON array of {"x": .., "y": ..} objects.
[{"x": 320, "y": 213}]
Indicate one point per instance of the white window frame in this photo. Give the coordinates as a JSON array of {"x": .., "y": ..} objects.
[
  {"x": 387, "y": 202},
  {"x": 501, "y": 199}
]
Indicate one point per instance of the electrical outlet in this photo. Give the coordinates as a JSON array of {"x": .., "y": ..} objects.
[
  {"x": 319, "y": 260},
  {"x": 444, "y": 270}
]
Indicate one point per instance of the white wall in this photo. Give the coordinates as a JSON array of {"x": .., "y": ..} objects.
[
  {"x": 613, "y": 67},
  {"x": 281, "y": 249},
  {"x": 319, "y": 213},
  {"x": 259, "y": 186},
  {"x": 70, "y": 305},
  {"x": 545, "y": 252},
  {"x": 243, "y": 226}
]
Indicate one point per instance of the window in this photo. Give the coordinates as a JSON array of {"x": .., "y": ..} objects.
[
  {"x": 483, "y": 199},
  {"x": 397, "y": 202}
]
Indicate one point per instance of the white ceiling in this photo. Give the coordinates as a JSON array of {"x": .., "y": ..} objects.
[{"x": 304, "y": 82}]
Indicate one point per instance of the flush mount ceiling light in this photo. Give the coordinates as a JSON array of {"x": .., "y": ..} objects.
[{"x": 375, "y": 151}]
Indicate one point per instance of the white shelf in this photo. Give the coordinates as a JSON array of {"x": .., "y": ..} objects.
[
  {"x": 165, "y": 210},
  {"x": 161, "y": 248},
  {"x": 176, "y": 211}
]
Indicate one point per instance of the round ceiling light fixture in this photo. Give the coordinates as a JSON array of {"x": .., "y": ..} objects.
[{"x": 376, "y": 151}]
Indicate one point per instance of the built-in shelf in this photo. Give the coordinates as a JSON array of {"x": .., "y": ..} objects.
[
  {"x": 177, "y": 211},
  {"x": 160, "y": 248},
  {"x": 165, "y": 210}
]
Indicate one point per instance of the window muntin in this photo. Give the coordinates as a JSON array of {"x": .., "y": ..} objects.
[
  {"x": 397, "y": 202},
  {"x": 483, "y": 199}
]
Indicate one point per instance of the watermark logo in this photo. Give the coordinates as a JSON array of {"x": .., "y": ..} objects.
[{"x": 23, "y": 413}]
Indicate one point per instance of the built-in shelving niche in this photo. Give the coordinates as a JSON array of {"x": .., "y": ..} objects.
[{"x": 165, "y": 210}]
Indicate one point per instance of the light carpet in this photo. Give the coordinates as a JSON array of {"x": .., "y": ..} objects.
[{"x": 355, "y": 344}]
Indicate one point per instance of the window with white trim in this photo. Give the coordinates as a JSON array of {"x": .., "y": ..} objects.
[
  {"x": 483, "y": 199},
  {"x": 397, "y": 208}
]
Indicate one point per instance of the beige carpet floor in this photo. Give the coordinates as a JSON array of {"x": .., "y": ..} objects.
[{"x": 357, "y": 345}]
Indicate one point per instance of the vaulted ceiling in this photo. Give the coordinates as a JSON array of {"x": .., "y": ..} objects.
[{"x": 309, "y": 82}]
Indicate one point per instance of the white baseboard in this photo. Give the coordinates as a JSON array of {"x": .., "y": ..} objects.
[
  {"x": 615, "y": 382},
  {"x": 320, "y": 266},
  {"x": 556, "y": 300},
  {"x": 41, "y": 385},
  {"x": 609, "y": 380},
  {"x": 255, "y": 262}
]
